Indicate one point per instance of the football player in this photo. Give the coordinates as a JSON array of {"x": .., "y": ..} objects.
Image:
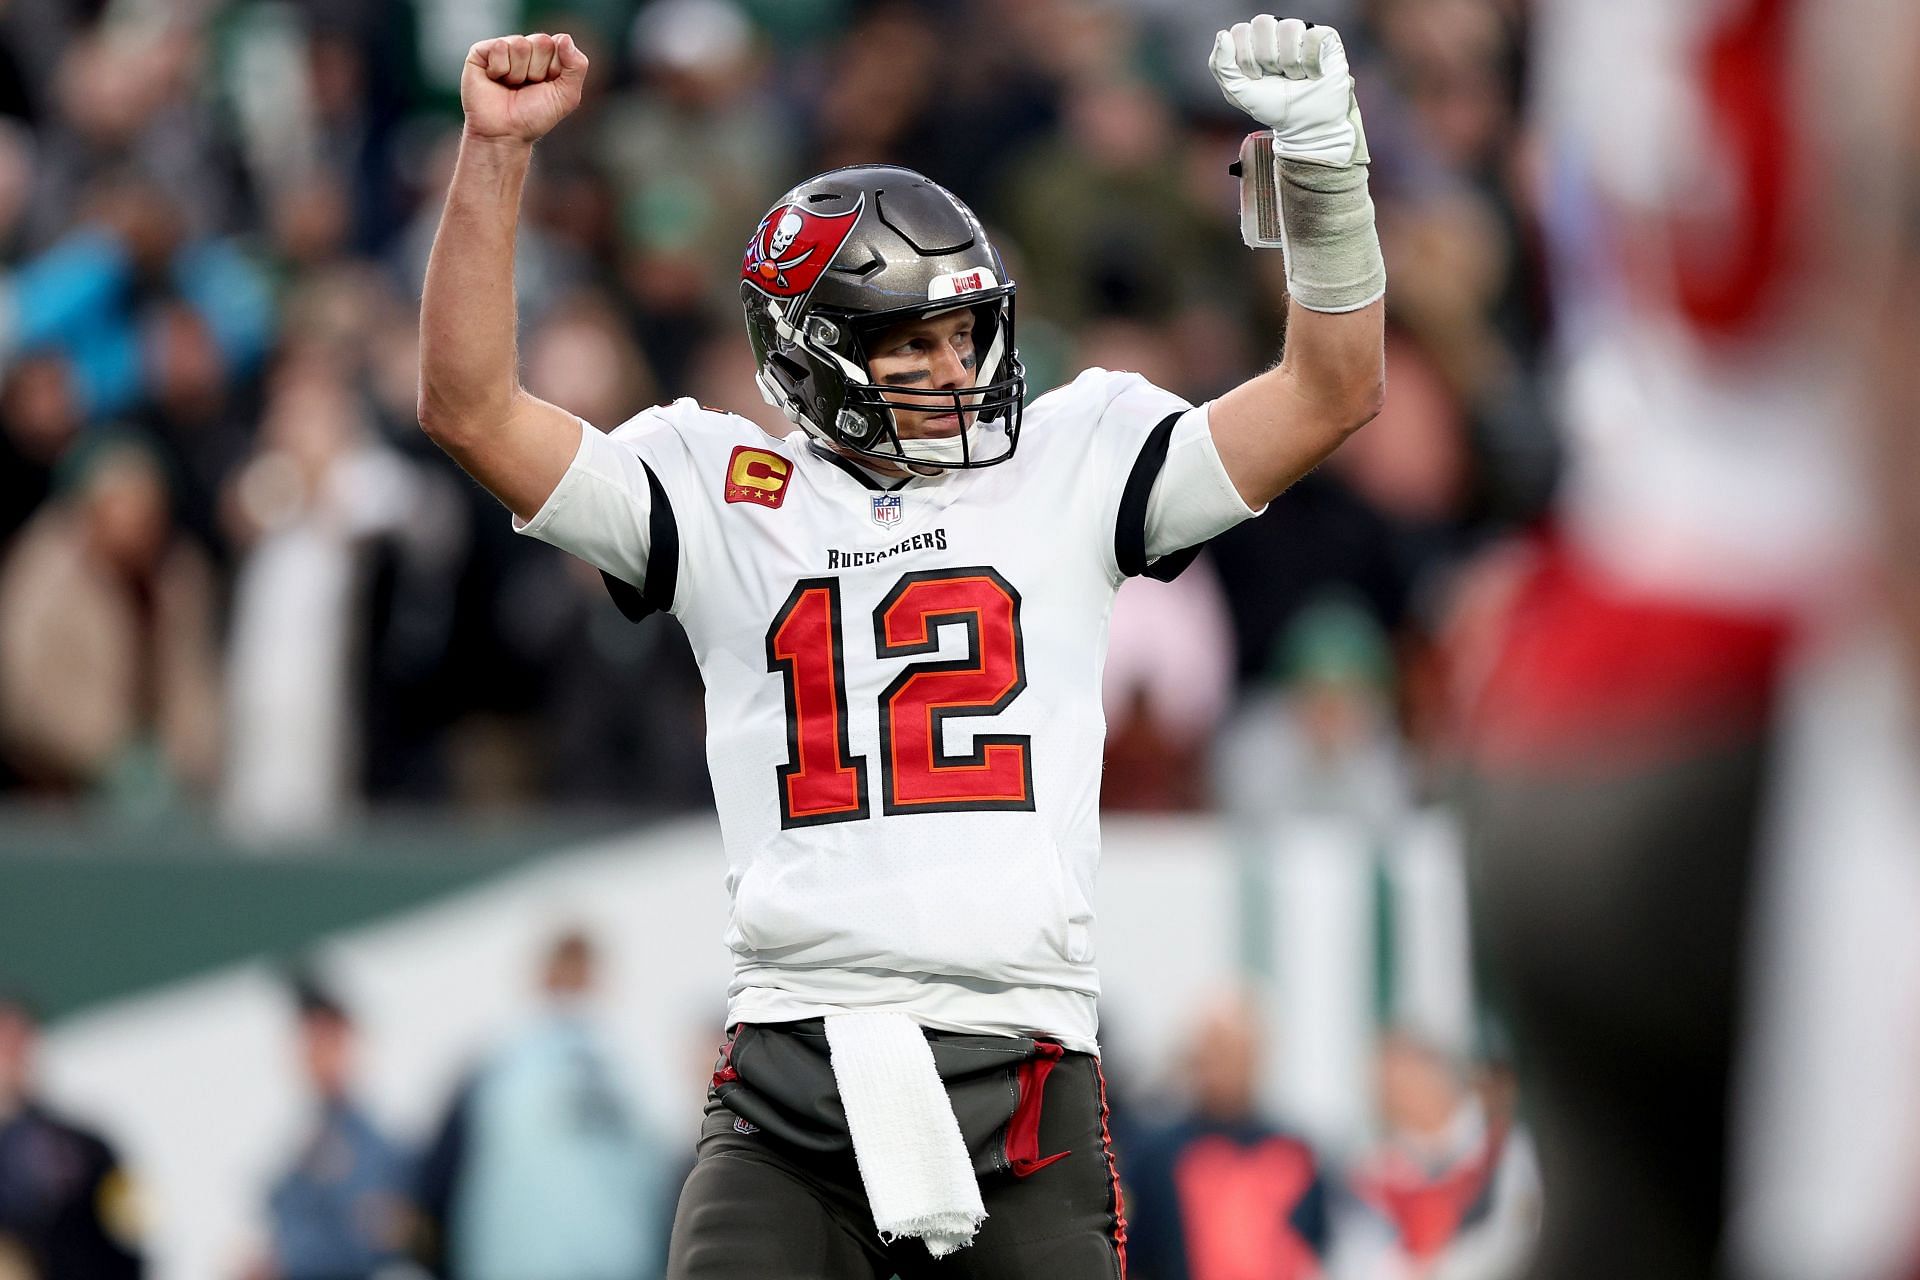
[
  {"x": 1695, "y": 821},
  {"x": 899, "y": 611}
]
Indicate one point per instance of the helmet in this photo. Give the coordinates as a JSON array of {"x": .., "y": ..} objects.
[{"x": 851, "y": 252}]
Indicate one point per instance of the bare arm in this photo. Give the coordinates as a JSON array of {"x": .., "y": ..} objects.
[
  {"x": 514, "y": 89},
  {"x": 1273, "y": 429}
]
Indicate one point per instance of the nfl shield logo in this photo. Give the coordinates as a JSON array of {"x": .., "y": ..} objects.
[{"x": 886, "y": 508}]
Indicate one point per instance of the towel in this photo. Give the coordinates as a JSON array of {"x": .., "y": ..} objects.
[{"x": 912, "y": 1159}]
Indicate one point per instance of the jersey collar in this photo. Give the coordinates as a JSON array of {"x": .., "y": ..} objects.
[{"x": 868, "y": 479}]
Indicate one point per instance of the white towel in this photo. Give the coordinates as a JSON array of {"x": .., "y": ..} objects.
[{"x": 912, "y": 1158}]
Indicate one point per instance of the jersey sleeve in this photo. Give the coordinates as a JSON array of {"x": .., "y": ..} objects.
[
  {"x": 1193, "y": 498},
  {"x": 614, "y": 509},
  {"x": 1166, "y": 489}
]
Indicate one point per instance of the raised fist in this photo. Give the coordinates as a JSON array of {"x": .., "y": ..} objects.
[
  {"x": 521, "y": 86},
  {"x": 1293, "y": 78}
]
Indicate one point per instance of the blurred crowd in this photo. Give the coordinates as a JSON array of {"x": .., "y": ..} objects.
[
  {"x": 236, "y": 581},
  {"x": 542, "y": 1162}
]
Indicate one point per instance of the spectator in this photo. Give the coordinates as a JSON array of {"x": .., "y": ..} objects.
[
  {"x": 128, "y": 245},
  {"x": 126, "y": 102},
  {"x": 1499, "y": 1244},
  {"x": 1454, "y": 62},
  {"x": 693, "y": 147},
  {"x": 689, "y": 153},
  {"x": 1322, "y": 740},
  {"x": 313, "y": 107},
  {"x": 1225, "y": 1193},
  {"x": 1167, "y": 686},
  {"x": 1431, "y": 1182},
  {"x": 39, "y": 421},
  {"x": 108, "y": 664},
  {"x": 67, "y": 1207},
  {"x": 539, "y": 1168},
  {"x": 192, "y": 413},
  {"x": 320, "y": 492},
  {"x": 340, "y": 1213}
]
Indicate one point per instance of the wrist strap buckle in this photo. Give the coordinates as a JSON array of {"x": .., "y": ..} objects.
[{"x": 1258, "y": 171}]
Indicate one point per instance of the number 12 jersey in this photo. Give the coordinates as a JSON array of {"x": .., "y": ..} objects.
[{"x": 904, "y": 727}]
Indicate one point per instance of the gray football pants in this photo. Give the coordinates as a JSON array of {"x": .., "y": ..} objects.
[{"x": 779, "y": 1197}]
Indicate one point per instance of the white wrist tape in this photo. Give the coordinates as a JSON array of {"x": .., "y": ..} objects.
[{"x": 1320, "y": 218}]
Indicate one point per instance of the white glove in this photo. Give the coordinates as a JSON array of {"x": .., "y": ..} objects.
[{"x": 1294, "y": 79}]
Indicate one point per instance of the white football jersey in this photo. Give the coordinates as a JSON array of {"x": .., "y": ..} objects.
[
  {"x": 904, "y": 724},
  {"x": 1711, "y": 164}
]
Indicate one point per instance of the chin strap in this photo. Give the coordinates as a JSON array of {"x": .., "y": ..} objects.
[{"x": 945, "y": 451}]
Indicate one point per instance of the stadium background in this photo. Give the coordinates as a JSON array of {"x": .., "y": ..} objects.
[{"x": 278, "y": 684}]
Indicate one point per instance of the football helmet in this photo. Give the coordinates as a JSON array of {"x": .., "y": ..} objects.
[{"x": 854, "y": 251}]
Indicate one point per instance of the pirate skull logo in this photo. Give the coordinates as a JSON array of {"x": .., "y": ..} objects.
[
  {"x": 792, "y": 246},
  {"x": 783, "y": 233},
  {"x": 775, "y": 263}
]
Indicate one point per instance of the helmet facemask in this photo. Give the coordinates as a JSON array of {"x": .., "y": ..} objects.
[
  {"x": 831, "y": 351},
  {"x": 989, "y": 409}
]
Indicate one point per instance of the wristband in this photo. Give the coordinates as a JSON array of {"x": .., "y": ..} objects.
[{"x": 1321, "y": 220}]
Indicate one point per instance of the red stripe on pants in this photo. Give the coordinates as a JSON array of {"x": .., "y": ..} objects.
[{"x": 1113, "y": 1174}]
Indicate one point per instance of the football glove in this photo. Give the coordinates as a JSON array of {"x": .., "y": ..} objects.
[{"x": 1293, "y": 78}]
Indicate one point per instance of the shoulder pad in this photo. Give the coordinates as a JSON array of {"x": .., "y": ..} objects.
[{"x": 697, "y": 423}]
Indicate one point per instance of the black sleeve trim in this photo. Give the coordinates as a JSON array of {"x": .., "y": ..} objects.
[
  {"x": 1130, "y": 530},
  {"x": 663, "y": 560}
]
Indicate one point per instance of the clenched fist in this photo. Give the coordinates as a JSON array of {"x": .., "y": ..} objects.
[
  {"x": 519, "y": 87},
  {"x": 1293, "y": 78}
]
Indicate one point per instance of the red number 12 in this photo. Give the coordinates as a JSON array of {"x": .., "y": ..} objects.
[{"x": 823, "y": 781}]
